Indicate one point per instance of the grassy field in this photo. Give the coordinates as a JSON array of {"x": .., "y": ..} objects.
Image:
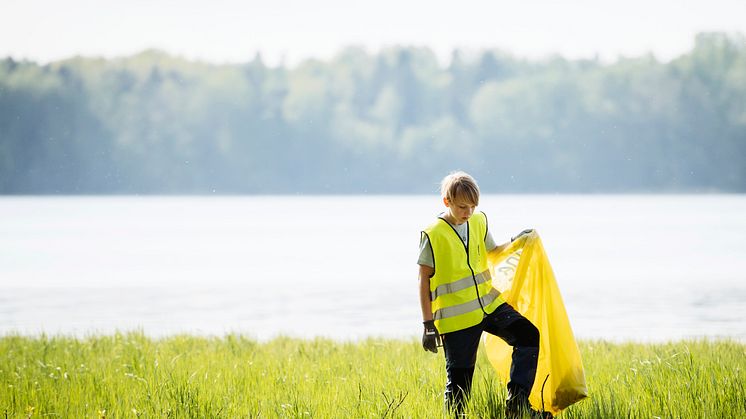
[{"x": 131, "y": 375}]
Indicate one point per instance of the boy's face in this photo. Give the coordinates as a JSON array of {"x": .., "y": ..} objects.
[{"x": 459, "y": 210}]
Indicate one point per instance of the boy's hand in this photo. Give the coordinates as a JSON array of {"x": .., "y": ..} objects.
[
  {"x": 526, "y": 231},
  {"x": 430, "y": 337}
]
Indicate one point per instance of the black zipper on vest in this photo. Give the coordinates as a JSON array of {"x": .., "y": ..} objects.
[{"x": 468, "y": 263}]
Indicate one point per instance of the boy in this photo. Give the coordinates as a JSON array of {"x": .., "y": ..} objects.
[{"x": 458, "y": 301}]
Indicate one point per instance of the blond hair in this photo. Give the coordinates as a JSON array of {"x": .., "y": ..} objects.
[{"x": 460, "y": 186}]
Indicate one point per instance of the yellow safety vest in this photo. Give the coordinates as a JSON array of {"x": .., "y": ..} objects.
[{"x": 461, "y": 289}]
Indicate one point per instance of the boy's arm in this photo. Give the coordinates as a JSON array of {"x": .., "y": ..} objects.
[
  {"x": 425, "y": 304},
  {"x": 499, "y": 248},
  {"x": 505, "y": 245}
]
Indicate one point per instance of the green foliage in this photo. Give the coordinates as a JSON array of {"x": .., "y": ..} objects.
[
  {"x": 131, "y": 375},
  {"x": 395, "y": 121}
]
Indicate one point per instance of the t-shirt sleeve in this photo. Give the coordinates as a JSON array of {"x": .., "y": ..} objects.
[
  {"x": 426, "y": 252},
  {"x": 489, "y": 242}
]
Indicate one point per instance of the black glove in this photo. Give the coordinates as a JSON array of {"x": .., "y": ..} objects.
[
  {"x": 526, "y": 231},
  {"x": 430, "y": 337}
]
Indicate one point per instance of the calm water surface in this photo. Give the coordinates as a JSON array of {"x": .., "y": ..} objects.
[{"x": 647, "y": 268}]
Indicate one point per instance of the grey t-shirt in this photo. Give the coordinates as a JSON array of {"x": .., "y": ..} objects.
[{"x": 426, "y": 253}]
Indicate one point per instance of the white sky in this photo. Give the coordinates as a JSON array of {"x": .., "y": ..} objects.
[{"x": 233, "y": 30}]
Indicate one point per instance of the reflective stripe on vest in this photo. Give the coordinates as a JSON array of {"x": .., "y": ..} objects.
[
  {"x": 461, "y": 284},
  {"x": 475, "y": 304}
]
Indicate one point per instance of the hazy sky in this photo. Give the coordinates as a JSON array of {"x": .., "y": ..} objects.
[{"x": 233, "y": 31}]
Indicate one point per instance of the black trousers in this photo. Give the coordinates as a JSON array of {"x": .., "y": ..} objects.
[{"x": 461, "y": 346}]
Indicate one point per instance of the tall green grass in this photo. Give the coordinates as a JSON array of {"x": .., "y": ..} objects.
[{"x": 131, "y": 375}]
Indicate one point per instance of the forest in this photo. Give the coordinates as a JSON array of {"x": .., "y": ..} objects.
[{"x": 390, "y": 122}]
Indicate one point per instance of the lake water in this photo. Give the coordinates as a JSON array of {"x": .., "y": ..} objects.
[{"x": 644, "y": 268}]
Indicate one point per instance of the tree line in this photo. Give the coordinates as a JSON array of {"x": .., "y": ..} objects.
[{"x": 391, "y": 122}]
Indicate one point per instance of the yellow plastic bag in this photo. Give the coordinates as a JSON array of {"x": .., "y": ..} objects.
[{"x": 524, "y": 277}]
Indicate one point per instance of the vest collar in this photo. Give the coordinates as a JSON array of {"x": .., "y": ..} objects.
[{"x": 468, "y": 228}]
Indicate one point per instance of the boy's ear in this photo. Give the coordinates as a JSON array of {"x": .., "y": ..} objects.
[{"x": 445, "y": 201}]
